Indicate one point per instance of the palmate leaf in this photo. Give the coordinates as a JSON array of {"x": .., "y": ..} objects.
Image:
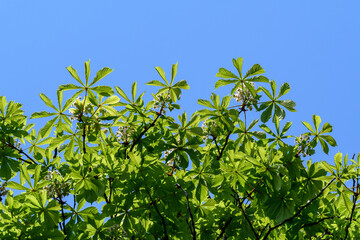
[
  {"x": 224, "y": 73},
  {"x": 100, "y": 75},
  {"x": 74, "y": 74},
  {"x": 254, "y": 70}
]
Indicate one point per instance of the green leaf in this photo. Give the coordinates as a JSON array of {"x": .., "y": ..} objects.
[
  {"x": 156, "y": 83},
  {"x": 258, "y": 79},
  {"x": 324, "y": 146},
  {"x": 46, "y": 130},
  {"x": 103, "y": 90},
  {"x": 223, "y": 82},
  {"x": 15, "y": 185},
  {"x": 308, "y": 126},
  {"x": 68, "y": 87},
  {"x": 224, "y": 73},
  {"x": 3, "y": 104},
  {"x": 70, "y": 101},
  {"x": 47, "y": 101},
  {"x": 286, "y": 128},
  {"x": 327, "y": 128},
  {"x": 254, "y": 70},
  {"x": 173, "y": 72},
  {"x": 181, "y": 84},
  {"x": 87, "y": 71},
  {"x": 327, "y": 166},
  {"x": 329, "y": 139},
  {"x": 266, "y": 92},
  {"x": 111, "y": 100},
  {"x": 100, "y": 75},
  {"x": 266, "y": 115},
  {"x": 317, "y": 121},
  {"x": 56, "y": 142},
  {"x": 238, "y": 65},
  {"x": 288, "y": 104},
  {"x": 284, "y": 89},
  {"x": 162, "y": 74},
  {"x": 41, "y": 114},
  {"x": 206, "y": 103},
  {"x": 279, "y": 112},
  {"x": 133, "y": 90},
  {"x": 122, "y": 94},
  {"x": 74, "y": 74}
]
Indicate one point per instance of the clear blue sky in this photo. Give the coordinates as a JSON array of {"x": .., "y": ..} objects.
[{"x": 312, "y": 45}]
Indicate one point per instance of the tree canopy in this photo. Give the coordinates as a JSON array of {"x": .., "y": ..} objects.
[{"x": 108, "y": 165}]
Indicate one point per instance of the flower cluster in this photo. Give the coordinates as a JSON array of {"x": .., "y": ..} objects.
[
  {"x": 3, "y": 190},
  {"x": 162, "y": 101},
  {"x": 124, "y": 133},
  {"x": 209, "y": 128},
  {"x": 79, "y": 108},
  {"x": 17, "y": 144},
  {"x": 304, "y": 141},
  {"x": 242, "y": 94},
  {"x": 116, "y": 231},
  {"x": 168, "y": 152},
  {"x": 58, "y": 187}
]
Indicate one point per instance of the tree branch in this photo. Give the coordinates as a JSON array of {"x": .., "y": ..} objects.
[
  {"x": 248, "y": 220},
  {"x": 299, "y": 211},
  {"x": 22, "y": 152},
  {"x": 146, "y": 129},
  {"x": 356, "y": 194},
  {"x": 223, "y": 148},
  {"x": 161, "y": 216},
  {"x": 227, "y": 223},
  {"x": 193, "y": 231}
]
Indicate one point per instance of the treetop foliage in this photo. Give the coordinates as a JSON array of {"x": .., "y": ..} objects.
[{"x": 108, "y": 165}]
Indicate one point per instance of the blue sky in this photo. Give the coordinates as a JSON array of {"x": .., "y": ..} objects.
[{"x": 312, "y": 45}]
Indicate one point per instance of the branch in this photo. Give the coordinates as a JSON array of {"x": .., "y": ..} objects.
[
  {"x": 317, "y": 222},
  {"x": 146, "y": 129},
  {"x": 299, "y": 211},
  {"x": 223, "y": 148},
  {"x": 84, "y": 138},
  {"x": 247, "y": 219},
  {"x": 161, "y": 216},
  {"x": 193, "y": 231},
  {"x": 227, "y": 223},
  {"x": 217, "y": 146},
  {"x": 22, "y": 152},
  {"x": 352, "y": 214}
]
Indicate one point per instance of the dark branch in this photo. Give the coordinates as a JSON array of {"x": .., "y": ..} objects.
[
  {"x": 356, "y": 194},
  {"x": 227, "y": 223},
  {"x": 248, "y": 220},
  {"x": 225, "y": 144},
  {"x": 22, "y": 152},
  {"x": 193, "y": 231},
  {"x": 161, "y": 216},
  {"x": 317, "y": 222},
  {"x": 146, "y": 129},
  {"x": 299, "y": 211}
]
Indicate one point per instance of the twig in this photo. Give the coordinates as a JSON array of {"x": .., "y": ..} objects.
[
  {"x": 223, "y": 148},
  {"x": 146, "y": 129},
  {"x": 356, "y": 194},
  {"x": 317, "y": 222},
  {"x": 299, "y": 211},
  {"x": 227, "y": 223},
  {"x": 193, "y": 231},
  {"x": 248, "y": 220},
  {"x": 22, "y": 152},
  {"x": 217, "y": 146},
  {"x": 161, "y": 216}
]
